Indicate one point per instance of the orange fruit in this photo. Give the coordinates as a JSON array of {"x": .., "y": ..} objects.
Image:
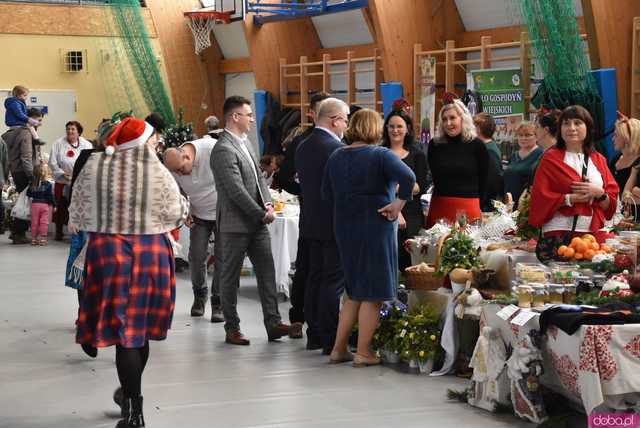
[
  {"x": 578, "y": 256},
  {"x": 582, "y": 246},
  {"x": 575, "y": 242},
  {"x": 589, "y": 237},
  {"x": 588, "y": 255},
  {"x": 605, "y": 248},
  {"x": 600, "y": 252},
  {"x": 595, "y": 246},
  {"x": 562, "y": 249},
  {"x": 569, "y": 252}
]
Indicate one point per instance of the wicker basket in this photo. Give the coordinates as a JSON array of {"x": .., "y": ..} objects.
[{"x": 426, "y": 281}]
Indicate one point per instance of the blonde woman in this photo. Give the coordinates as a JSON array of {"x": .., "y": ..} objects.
[
  {"x": 458, "y": 161},
  {"x": 523, "y": 162},
  {"x": 360, "y": 183}
]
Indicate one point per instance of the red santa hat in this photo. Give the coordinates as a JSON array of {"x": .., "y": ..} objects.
[{"x": 129, "y": 133}]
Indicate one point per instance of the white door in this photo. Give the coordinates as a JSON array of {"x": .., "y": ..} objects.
[{"x": 58, "y": 106}]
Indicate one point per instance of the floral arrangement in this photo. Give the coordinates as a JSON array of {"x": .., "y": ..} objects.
[
  {"x": 459, "y": 251},
  {"x": 525, "y": 230},
  {"x": 420, "y": 334},
  {"x": 386, "y": 335}
]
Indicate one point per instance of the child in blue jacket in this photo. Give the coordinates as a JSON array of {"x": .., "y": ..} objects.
[{"x": 16, "y": 111}]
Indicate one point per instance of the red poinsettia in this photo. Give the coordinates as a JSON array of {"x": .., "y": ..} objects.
[{"x": 71, "y": 153}]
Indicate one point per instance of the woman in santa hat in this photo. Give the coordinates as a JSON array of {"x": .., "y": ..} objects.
[{"x": 128, "y": 202}]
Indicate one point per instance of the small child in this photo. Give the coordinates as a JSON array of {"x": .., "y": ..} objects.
[
  {"x": 16, "y": 112},
  {"x": 41, "y": 192}
]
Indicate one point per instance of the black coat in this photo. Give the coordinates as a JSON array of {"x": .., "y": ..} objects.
[{"x": 316, "y": 216}]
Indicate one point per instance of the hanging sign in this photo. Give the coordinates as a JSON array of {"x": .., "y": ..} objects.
[
  {"x": 501, "y": 91},
  {"x": 427, "y": 98}
]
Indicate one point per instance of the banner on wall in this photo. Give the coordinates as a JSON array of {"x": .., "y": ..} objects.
[
  {"x": 501, "y": 91},
  {"x": 427, "y": 98}
]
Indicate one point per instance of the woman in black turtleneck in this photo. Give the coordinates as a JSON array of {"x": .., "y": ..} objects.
[{"x": 458, "y": 162}]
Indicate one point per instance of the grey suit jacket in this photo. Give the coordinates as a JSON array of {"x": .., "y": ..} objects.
[{"x": 240, "y": 206}]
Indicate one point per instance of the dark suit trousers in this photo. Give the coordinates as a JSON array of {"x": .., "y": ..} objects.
[
  {"x": 298, "y": 285},
  {"x": 229, "y": 254},
  {"x": 325, "y": 285}
]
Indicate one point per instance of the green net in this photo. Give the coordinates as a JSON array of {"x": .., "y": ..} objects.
[
  {"x": 559, "y": 49},
  {"x": 140, "y": 56}
]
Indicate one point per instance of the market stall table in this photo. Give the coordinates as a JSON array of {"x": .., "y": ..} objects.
[{"x": 596, "y": 366}]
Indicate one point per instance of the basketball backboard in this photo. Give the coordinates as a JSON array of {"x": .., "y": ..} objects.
[{"x": 235, "y": 7}]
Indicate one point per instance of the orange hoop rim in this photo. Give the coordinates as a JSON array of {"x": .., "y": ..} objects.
[{"x": 212, "y": 14}]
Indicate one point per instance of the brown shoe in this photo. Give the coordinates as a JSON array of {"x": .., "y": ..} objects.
[
  {"x": 365, "y": 361},
  {"x": 295, "y": 332},
  {"x": 278, "y": 331},
  {"x": 237, "y": 338},
  {"x": 339, "y": 357}
]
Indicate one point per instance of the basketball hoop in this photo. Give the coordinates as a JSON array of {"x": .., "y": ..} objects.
[{"x": 201, "y": 23}]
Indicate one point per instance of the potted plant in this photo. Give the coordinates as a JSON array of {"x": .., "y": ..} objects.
[
  {"x": 458, "y": 255},
  {"x": 386, "y": 338},
  {"x": 420, "y": 338}
]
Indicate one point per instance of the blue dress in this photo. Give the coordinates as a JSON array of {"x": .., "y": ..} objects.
[{"x": 357, "y": 182}]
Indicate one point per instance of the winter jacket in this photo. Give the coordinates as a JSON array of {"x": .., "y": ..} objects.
[
  {"x": 22, "y": 156},
  {"x": 4, "y": 163},
  {"x": 16, "y": 112}
]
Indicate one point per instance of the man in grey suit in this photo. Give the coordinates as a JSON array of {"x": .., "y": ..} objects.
[{"x": 244, "y": 209}]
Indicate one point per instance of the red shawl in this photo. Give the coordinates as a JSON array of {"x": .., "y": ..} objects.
[{"x": 553, "y": 181}]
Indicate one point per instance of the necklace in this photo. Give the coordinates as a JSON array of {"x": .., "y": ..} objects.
[{"x": 74, "y": 146}]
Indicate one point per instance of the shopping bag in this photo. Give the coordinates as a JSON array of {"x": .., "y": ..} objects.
[{"x": 22, "y": 209}]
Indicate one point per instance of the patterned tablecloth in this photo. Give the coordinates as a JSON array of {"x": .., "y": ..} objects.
[{"x": 599, "y": 365}]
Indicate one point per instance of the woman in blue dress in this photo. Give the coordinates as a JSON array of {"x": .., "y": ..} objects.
[{"x": 367, "y": 185}]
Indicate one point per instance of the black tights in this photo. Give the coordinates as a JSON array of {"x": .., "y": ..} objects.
[{"x": 130, "y": 363}]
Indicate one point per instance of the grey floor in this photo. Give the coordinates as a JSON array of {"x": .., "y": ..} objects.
[{"x": 193, "y": 379}]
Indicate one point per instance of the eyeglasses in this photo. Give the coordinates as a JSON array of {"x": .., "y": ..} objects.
[
  {"x": 244, "y": 114},
  {"x": 339, "y": 117}
]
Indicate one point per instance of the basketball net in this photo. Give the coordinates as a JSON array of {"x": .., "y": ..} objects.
[{"x": 201, "y": 28}]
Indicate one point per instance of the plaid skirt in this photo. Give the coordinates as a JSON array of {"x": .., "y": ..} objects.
[{"x": 129, "y": 290}]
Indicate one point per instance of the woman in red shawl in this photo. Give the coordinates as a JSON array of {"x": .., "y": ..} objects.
[{"x": 559, "y": 193}]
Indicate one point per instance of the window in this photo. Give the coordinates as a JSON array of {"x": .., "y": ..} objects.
[{"x": 74, "y": 61}]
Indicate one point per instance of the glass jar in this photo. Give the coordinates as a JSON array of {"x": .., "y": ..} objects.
[
  {"x": 525, "y": 296},
  {"x": 569, "y": 294},
  {"x": 564, "y": 273},
  {"x": 599, "y": 280},
  {"x": 540, "y": 295},
  {"x": 556, "y": 292}
]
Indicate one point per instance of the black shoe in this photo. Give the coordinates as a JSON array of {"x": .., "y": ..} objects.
[
  {"x": 134, "y": 418},
  {"x": 91, "y": 351},
  {"x": 118, "y": 398},
  {"x": 197, "y": 309},
  {"x": 20, "y": 240}
]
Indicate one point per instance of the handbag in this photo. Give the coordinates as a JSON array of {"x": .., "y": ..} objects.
[
  {"x": 22, "y": 209},
  {"x": 547, "y": 246}
]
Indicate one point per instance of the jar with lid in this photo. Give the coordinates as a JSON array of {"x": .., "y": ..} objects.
[
  {"x": 599, "y": 280},
  {"x": 569, "y": 294},
  {"x": 556, "y": 292},
  {"x": 564, "y": 273},
  {"x": 525, "y": 296},
  {"x": 540, "y": 295}
]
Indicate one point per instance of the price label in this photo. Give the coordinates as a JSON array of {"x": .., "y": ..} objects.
[
  {"x": 507, "y": 312},
  {"x": 522, "y": 318}
]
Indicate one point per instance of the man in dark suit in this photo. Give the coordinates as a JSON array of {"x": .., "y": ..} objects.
[
  {"x": 288, "y": 180},
  {"x": 243, "y": 211},
  {"x": 325, "y": 282}
]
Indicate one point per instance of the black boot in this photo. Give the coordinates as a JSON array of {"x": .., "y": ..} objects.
[
  {"x": 199, "y": 302},
  {"x": 134, "y": 417},
  {"x": 118, "y": 398},
  {"x": 90, "y": 350}
]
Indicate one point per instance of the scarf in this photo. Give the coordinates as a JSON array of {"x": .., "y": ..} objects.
[
  {"x": 74, "y": 276},
  {"x": 130, "y": 193}
]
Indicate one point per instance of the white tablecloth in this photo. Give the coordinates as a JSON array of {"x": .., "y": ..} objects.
[
  {"x": 284, "y": 246},
  {"x": 597, "y": 365}
]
